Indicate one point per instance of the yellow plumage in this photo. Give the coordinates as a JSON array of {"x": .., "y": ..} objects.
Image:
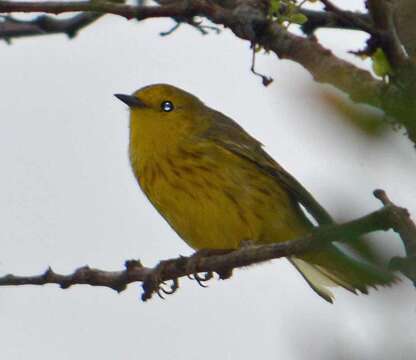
[{"x": 216, "y": 187}]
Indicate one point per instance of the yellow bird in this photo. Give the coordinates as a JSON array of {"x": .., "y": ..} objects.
[{"x": 217, "y": 187}]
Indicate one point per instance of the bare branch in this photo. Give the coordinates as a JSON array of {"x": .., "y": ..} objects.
[
  {"x": 404, "y": 226},
  {"x": 388, "y": 217},
  {"x": 402, "y": 223},
  {"x": 45, "y": 25},
  {"x": 127, "y": 11},
  {"x": 356, "y": 21},
  {"x": 328, "y": 19}
]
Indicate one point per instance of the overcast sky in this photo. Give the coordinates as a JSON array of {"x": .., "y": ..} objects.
[{"x": 68, "y": 198}]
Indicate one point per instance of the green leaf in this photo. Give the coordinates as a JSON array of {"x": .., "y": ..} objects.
[
  {"x": 298, "y": 18},
  {"x": 274, "y": 7},
  {"x": 381, "y": 65}
]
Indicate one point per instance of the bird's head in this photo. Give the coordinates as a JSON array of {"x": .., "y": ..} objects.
[
  {"x": 164, "y": 113},
  {"x": 161, "y": 102}
]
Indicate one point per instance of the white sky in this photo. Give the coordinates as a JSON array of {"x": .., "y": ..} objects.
[{"x": 68, "y": 198}]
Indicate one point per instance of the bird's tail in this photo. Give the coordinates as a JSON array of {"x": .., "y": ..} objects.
[{"x": 331, "y": 267}]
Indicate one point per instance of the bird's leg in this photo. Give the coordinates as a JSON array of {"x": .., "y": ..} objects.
[
  {"x": 153, "y": 281},
  {"x": 195, "y": 259}
]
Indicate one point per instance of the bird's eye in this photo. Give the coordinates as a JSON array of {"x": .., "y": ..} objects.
[{"x": 166, "y": 106}]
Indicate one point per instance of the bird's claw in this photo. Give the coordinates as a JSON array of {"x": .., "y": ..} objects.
[
  {"x": 194, "y": 262},
  {"x": 201, "y": 280},
  {"x": 172, "y": 287},
  {"x": 153, "y": 283}
]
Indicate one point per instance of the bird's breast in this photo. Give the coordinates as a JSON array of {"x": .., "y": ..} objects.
[
  {"x": 215, "y": 200},
  {"x": 191, "y": 190}
]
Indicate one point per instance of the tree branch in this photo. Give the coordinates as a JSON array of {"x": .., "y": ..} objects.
[
  {"x": 388, "y": 217},
  {"x": 382, "y": 13},
  {"x": 127, "y": 11},
  {"x": 328, "y": 19},
  {"x": 405, "y": 227},
  {"x": 404, "y": 14},
  {"x": 46, "y": 25},
  {"x": 250, "y": 21},
  {"x": 355, "y": 20},
  {"x": 324, "y": 66},
  {"x": 247, "y": 23}
]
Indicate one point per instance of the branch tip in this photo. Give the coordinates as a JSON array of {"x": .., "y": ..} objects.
[{"x": 382, "y": 196}]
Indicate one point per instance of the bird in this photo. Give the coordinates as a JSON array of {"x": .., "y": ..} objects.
[{"x": 218, "y": 188}]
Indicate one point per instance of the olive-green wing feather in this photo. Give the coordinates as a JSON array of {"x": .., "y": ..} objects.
[{"x": 228, "y": 134}]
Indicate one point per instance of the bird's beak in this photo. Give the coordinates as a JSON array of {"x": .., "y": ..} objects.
[{"x": 131, "y": 101}]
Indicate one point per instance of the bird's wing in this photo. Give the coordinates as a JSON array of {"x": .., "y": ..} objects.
[
  {"x": 231, "y": 136},
  {"x": 330, "y": 266}
]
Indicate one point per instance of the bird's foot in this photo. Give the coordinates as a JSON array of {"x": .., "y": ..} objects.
[
  {"x": 154, "y": 283},
  {"x": 195, "y": 260}
]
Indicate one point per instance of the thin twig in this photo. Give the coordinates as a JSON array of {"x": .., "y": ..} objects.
[
  {"x": 333, "y": 16},
  {"x": 340, "y": 20},
  {"x": 46, "y": 25},
  {"x": 266, "y": 80}
]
